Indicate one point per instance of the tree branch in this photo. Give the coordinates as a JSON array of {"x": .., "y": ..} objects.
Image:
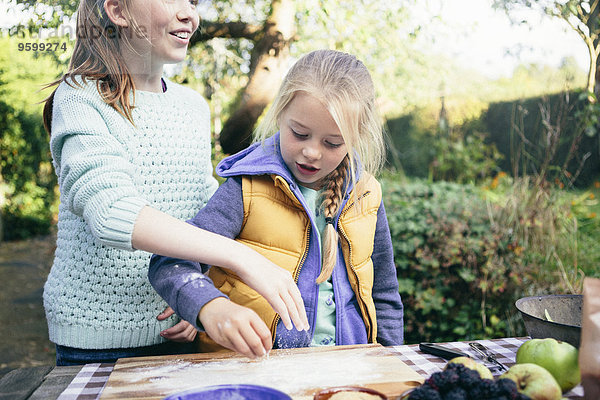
[
  {"x": 576, "y": 28},
  {"x": 594, "y": 7},
  {"x": 269, "y": 61},
  {"x": 582, "y": 13},
  {"x": 234, "y": 30}
]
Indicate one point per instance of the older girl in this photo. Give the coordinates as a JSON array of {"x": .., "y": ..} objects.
[{"x": 132, "y": 153}]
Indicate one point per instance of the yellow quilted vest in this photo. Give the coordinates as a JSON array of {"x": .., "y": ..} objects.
[{"x": 277, "y": 226}]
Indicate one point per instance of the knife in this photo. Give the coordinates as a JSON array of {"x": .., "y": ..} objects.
[{"x": 441, "y": 351}]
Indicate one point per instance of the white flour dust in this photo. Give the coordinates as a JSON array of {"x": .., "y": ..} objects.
[{"x": 287, "y": 374}]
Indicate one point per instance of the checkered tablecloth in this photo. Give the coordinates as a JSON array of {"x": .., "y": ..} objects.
[
  {"x": 426, "y": 364},
  {"x": 92, "y": 378},
  {"x": 88, "y": 383}
]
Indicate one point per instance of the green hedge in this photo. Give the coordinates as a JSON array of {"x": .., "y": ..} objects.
[
  {"x": 28, "y": 196},
  {"x": 412, "y": 143},
  {"x": 417, "y": 142},
  {"x": 27, "y": 181},
  {"x": 453, "y": 269},
  {"x": 502, "y": 118}
]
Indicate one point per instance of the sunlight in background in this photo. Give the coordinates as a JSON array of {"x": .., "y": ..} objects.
[
  {"x": 470, "y": 32},
  {"x": 479, "y": 37}
]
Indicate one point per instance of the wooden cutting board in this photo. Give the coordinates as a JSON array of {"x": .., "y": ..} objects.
[{"x": 298, "y": 372}]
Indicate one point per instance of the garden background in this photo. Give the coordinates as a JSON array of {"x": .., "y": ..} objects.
[{"x": 491, "y": 185}]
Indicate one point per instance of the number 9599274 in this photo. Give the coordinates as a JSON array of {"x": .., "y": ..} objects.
[{"x": 43, "y": 46}]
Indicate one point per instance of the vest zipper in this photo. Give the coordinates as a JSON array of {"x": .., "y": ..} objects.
[
  {"x": 368, "y": 192},
  {"x": 295, "y": 276},
  {"x": 361, "y": 302}
]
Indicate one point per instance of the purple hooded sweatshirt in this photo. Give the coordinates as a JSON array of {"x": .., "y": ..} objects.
[{"x": 186, "y": 289}]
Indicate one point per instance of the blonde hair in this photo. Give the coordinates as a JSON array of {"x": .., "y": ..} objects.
[
  {"x": 344, "y": 86},
  {"x": 97, "y": 56}
]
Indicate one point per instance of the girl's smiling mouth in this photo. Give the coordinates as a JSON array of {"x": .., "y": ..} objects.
[{"x": 182, "y": 35}]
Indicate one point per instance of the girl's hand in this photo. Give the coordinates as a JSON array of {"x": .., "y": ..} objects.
[
  {"x": 235, "y": 327},
  {"x": 277, "y": 286},
  {"x": 182, "y": 332}
]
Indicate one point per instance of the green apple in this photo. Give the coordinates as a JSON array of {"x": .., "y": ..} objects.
[
  {"x": 559, "y": 358},
  {"x": 483, "y": 371},
  {"x": 534, "y": 381}
]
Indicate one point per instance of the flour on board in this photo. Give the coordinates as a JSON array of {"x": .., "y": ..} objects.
[{"x": 287, "y": 374}]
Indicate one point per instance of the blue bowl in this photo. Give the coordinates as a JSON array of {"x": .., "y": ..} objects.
[{"x": 231, "y": 392}]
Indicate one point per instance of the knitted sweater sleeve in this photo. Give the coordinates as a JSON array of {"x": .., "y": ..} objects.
[
  {"x": 183, "y": 284},
  {"x": 388, "y": 304},
  {"x": 95, "y": 175}
]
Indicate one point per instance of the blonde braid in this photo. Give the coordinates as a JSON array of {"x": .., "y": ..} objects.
[{"x": 332, "y": 198}]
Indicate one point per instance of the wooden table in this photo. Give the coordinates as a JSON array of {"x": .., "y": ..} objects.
[
  {"x": 47, "y": 382},
  {"x": 37, "y": 383}
]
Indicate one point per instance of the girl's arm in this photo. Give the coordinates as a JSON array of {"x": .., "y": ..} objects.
[
  {"x": 191, "y": 294},
  {"x": 183, "y": 283},
  {"x": 157, "y": 232},
  {"x": 388, "y": 305}
]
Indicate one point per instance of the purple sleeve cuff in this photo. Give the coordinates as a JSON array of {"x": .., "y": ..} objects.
[
  {"x": 182, "y": 285},
  {"x": 193, "y": 295}
]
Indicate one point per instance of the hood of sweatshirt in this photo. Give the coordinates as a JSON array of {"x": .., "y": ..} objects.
[
  {"x": 260, "y": 159},
  {"x": 257, "y": 159}
]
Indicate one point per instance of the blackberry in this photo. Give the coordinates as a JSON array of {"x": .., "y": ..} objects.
[
  {"x": 456, "y": 393},
  {"x": 442, "y": 380},
  {"x": 457, "y": 382},
  {"x": 425, "y": 392},
  {"x": 508, "y": 388},
  {"x": 480, "y": 389},
  {"x": 469, "y": 378}
]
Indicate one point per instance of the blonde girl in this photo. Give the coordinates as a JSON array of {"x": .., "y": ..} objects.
[
  {"x": 131, "y": 150},
  {"x": 304, "y": 196}
]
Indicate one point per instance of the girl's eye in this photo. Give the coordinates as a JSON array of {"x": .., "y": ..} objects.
[
  {"x": 194, "y": 2},
  {"x": 298, "y": 135},
  {"x": 333, "y": 145}
]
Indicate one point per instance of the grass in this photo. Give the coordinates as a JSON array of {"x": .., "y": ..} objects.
[
  {"x": 589, "y": 229},
  {"x": 557, "y": 231}
]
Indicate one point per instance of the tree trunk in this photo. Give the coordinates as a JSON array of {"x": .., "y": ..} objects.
[
  {"x": 596, "y": 74},
  {"x": 594, "y": 81},
  {"x": 268, "y": 65},
  {"x": 592, "y": 72},
  {"x": 209, "y": 30}
]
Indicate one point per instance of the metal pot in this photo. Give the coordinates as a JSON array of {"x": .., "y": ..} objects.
[{"x": 565, "y": 314}]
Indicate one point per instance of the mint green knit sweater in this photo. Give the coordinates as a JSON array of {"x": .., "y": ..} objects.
[{"x": 97, "y": 295}]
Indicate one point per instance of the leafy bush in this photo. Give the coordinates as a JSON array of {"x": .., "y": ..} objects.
[
  {"x": 422, "y": 147},
  {"x": 586, "y": 209},
  {"x": 454, "y": 270},
  {"x": 543, "y": 223},
  {"x": 27, "y": 180},
  {"x": 465, "y": 254},
  {"x": 412, "y": 140},
  {"x": 464, "y": 157},
  {"x": 28, "y": 200}
]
